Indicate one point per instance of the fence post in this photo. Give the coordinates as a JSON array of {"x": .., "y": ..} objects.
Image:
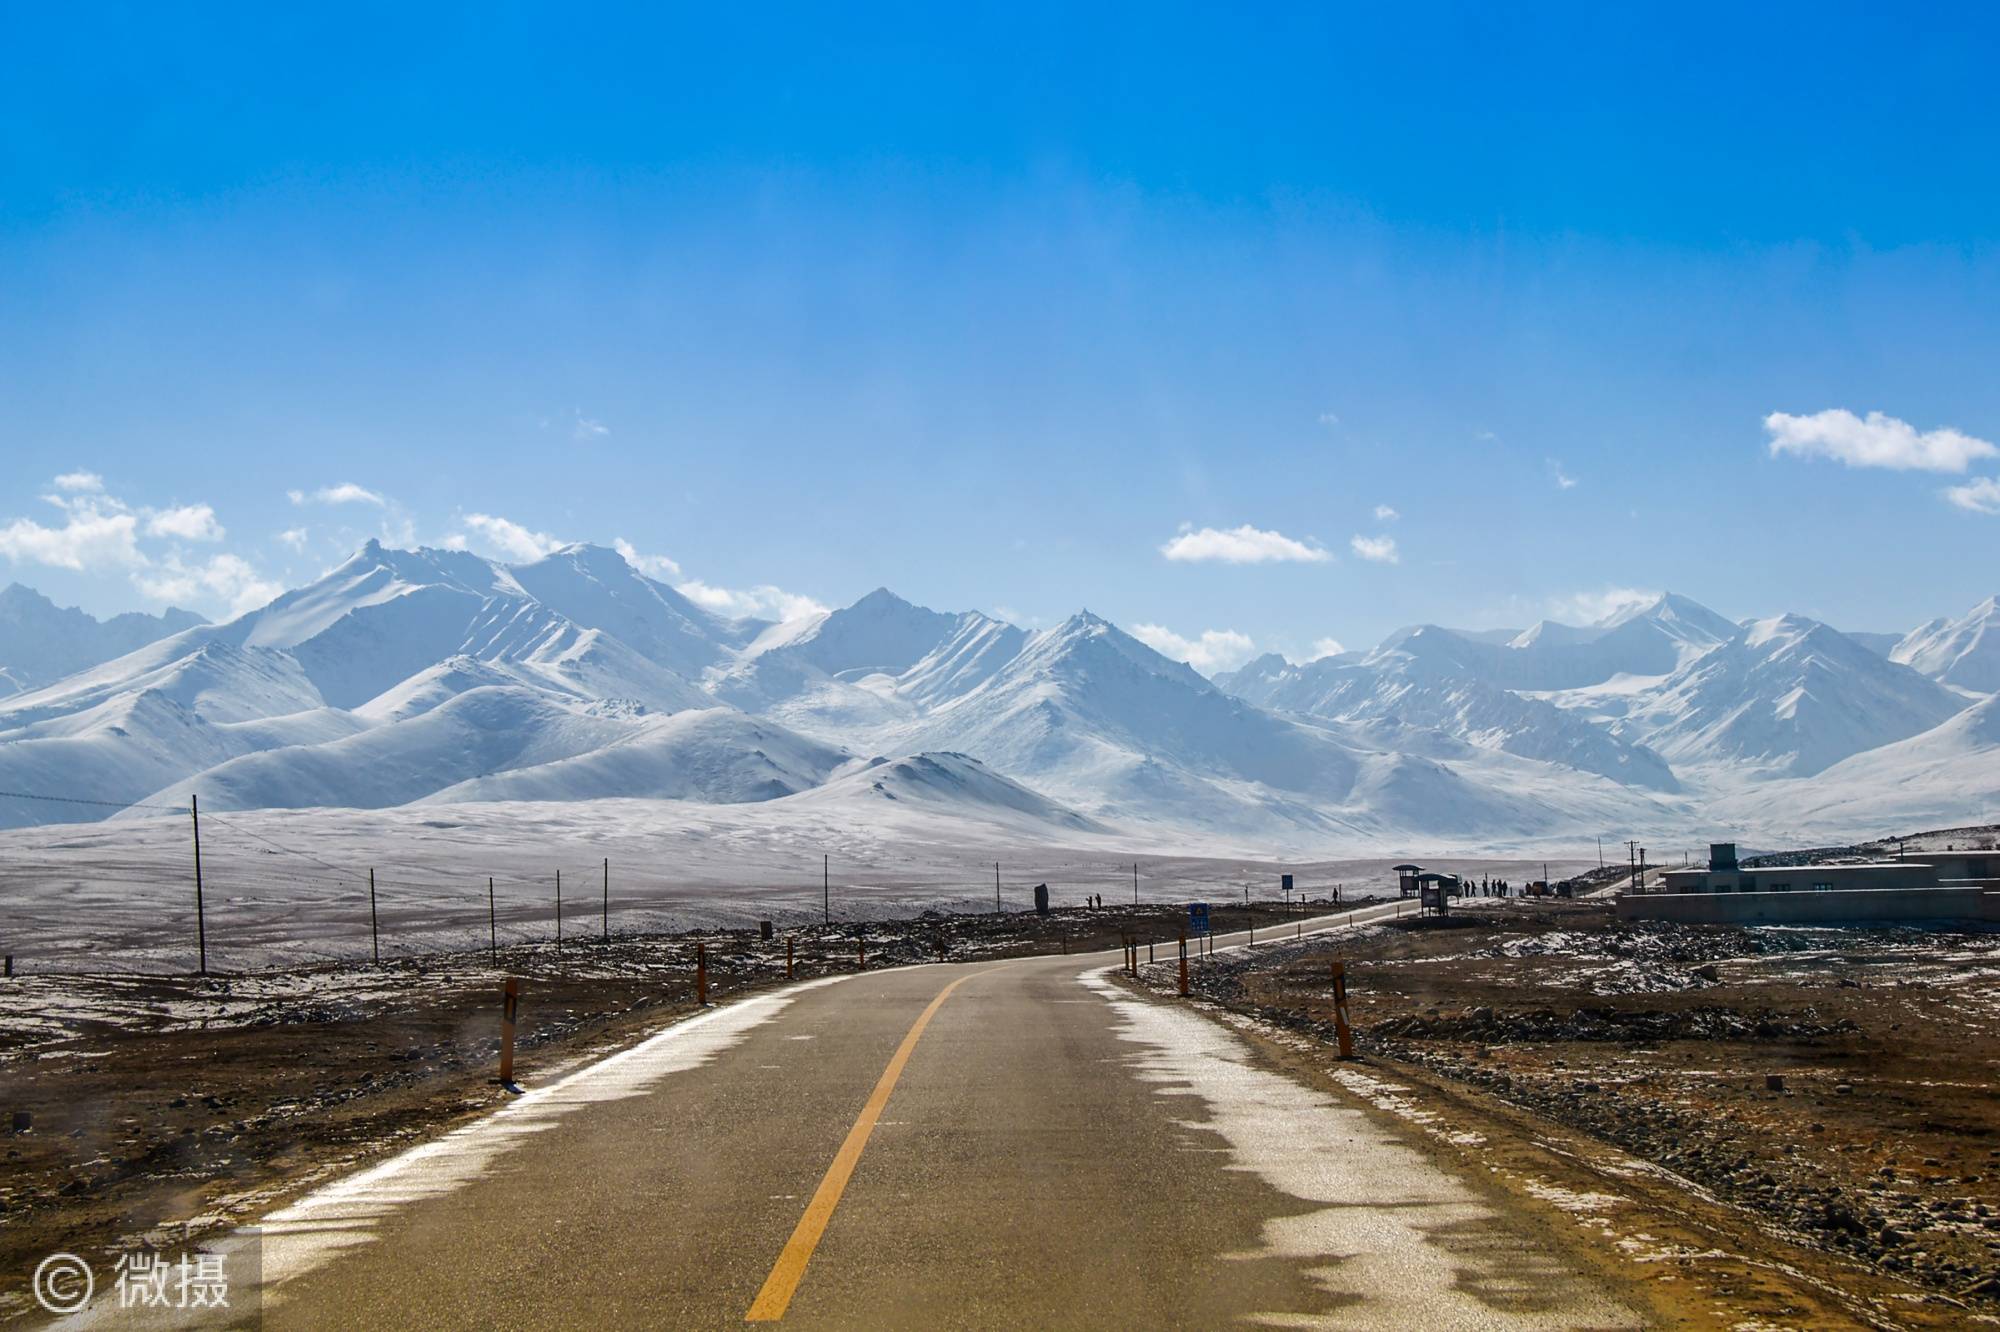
[
  {"x": 200, "y": 909},
  {"x": 788, "y": 957},
  {"x": 1345, "y": 1033},
  {"x": 701, "y": 974},
  {"x": 510, "y": 1004}
]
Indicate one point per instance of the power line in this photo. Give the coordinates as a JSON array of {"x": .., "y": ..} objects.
[{"x": 102, "y": 804}]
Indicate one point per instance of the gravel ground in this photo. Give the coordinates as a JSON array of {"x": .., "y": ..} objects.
[{"x": 1834, "y": 1083}]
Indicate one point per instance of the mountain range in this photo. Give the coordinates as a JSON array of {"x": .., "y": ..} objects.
[{"x": 438, "y": 677}]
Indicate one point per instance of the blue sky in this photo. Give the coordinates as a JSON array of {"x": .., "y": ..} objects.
[{"x": 997, "y": 309}]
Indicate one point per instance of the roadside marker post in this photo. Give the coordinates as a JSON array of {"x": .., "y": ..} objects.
[
  {"x": 1345, "y": 1033},
  {"x": 510, "y": 1008},
  {"x": 861, "y": 952},
  {"x": 701, "y": 974},
  {"x": 1184, "y": 976},
  {"x": 374, "y": 925},
  {"x": 788, "y": 957},
  {"x": 492, "y": 925}
]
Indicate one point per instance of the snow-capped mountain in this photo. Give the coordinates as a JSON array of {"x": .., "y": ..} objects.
[
  {"x": 1948, "y": 775},
  {"x": 1653, "y": 638},
  {"x": 41, "y": 642},
  {"x": 1387, "y": 692},
  {"x": 1789, "y": 695},
  {"x": 439, "y": 677},
  {"x": 1963, "y": 652}
]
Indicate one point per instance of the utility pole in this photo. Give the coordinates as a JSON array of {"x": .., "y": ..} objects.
[
  {"x": 1600, "y": 851},
  {"x": 1135, "y": 883},
  {"x": 826, "y": 888},
  {"x": 374, "y": 925},
  {"x": 1632, "y": 863},
  {"x": 200, "y": 909},
  {"x": 559, "y": 908},
  {"x": 492, "y": 927},
  {"x": 607, "y": 899},
  {"x": 996, "y": 887}
]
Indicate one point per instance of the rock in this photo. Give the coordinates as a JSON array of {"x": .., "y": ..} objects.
[
  {"x": 1707, "y": 971},
  {"x": 1843, "y": 1089}
]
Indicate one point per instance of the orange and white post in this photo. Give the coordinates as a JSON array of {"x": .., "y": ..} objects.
[
  {"x": 1185, "y": 992},
  {"x": 510, "y": 1008},
  {"x": 1345, "y": 1032}
]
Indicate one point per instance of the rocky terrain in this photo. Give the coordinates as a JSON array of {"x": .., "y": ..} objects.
[{"x": 1835, "y": 1085}]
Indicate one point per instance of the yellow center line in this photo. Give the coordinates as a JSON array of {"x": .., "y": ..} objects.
[{"x": 790, "y": 1269}]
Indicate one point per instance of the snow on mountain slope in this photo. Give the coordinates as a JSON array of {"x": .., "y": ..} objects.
[
  {"x": 41, "y": 643},
  {"x": 950, "y": 783},
  {"x": 1654, "y": 638},
  {"x": 905, "y": 656},
  {"x": 1386, "y": 689},
  {"x": 717, "y": 755},
  {"x": 482, "y": 731},
  {"x": 84, "y": 739},
  {"x": 1948, "y": 775},
  {"x": 1789, "y": 695},
  {"x": 1963, "y": 652},
  {"x": 598, "y": 589}
]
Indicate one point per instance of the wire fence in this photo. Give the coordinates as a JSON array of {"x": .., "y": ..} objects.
[{"x": 123, "y": 894}]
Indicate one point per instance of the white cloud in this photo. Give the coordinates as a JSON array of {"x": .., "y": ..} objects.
[
  {"x": 1376, "y": 550},
  {"x": 91, "y": 538},
  {"x": 1326, "y": 647},
  {"x": 348, "y": 493},
  {"x": 1878, "y": 441},
  {"x": 512, "y": 540},
  {"x": 89, "y": 483},
  {"x": 1385, "y": 514},
  {"x": 587, "y": 429},
  {"x": 229, "y": 579},
  {"x": 1979, "y": 495},
  {"x": 1329, "y": 420},
  {"x": 1241, "y": 545},
  {"x": 189, "y": 522},
  {"x": 1595, "y": 607},
  {"x": 295, "y": 537},
  {"x": 1215, "y": 650},
  {"x": 1563, "y": 480},
  {"x": 296, "y": 496},
  {"x": 765, "y": 602},
  {"x": 653, "y": 566}
]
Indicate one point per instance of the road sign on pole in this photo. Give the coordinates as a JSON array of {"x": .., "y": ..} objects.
[{"x": 1198, "y": 918}]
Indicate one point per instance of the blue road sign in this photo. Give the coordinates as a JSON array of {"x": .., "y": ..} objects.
[{"x": 1197, "y": 918}]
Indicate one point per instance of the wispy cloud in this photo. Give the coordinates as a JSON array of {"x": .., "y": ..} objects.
[
  {"x": 88, "y": 483},
  {"x": 347, "y": 492},
  {"x": 1563, "y": 480},
  {"x": 764, "y": 602},
  {"x": 587, "y": 429},
  {"x": 1215, "y": 650},
  {"x": 1377, "y": 549},
  {"x": 229, "y": 579},
  {"x": 1385, "y": 514},
  {"x": 1240, "y": 545},
  {"x": 1876, "y": 441},
  {"x": 90, "y": 539},
  {"x": 189, "y": 522},
  {"x": 1979, "y": 495},
  {"x": 1593, "y": 607},
  {"x": 1326, "y": 647},
  {"x": 1329, "y": 420},
  {"x": 509, "y": 538},
  {"x": 653, "y": 566},
  {"x": 294, "y": 537}
]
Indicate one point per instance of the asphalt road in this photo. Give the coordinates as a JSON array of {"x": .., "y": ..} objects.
[{"x": 1018, "y": 1143}]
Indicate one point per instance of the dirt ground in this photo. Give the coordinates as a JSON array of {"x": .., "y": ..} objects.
[
  {"x": 1829, "y": 1091},
  {"x": 162, "y": 1105}
]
